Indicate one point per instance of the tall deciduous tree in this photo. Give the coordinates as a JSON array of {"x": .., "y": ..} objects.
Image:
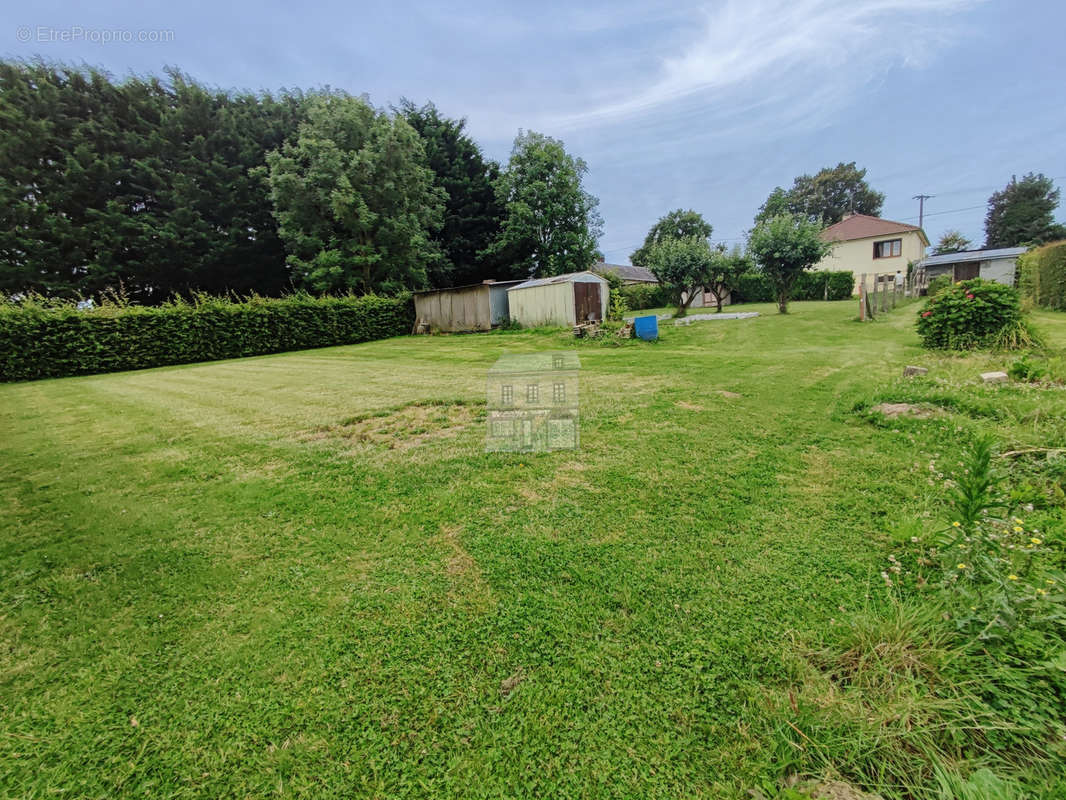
[
  {"x": 552, "y": 224},
  {"x": 356, "y": 204},
  {"x": 783, "y": 247},
  {"x": 678, "y": 224},
  {"x": 826, "y": 196},
  {"x": 683, "y": 265},
  {"x": 472, "y": 211},
  {"x": 951, "y": 241},
  {"x": 1023, "y": 213}
]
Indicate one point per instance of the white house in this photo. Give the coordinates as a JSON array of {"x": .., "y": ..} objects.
[{"x": 866, "y": 245}]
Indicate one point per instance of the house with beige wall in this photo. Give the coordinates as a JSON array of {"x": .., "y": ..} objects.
[{"x": 872, "y": 246}]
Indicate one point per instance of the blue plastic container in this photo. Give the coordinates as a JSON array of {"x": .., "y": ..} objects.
[{"x": 646, "y": 328}]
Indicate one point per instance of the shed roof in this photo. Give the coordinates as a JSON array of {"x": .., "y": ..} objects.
[
  {"x": 467, "y": 286},
  {"x": 972, "y": 255},
  {"x": 627, "y": 272},
  {"x": 546, "y": 361},
  {"x": 863, "y": 226},
  {"x": 568, "y": 277}
]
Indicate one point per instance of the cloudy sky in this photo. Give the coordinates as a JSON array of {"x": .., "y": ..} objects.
[{"x": 705, "y": 105}]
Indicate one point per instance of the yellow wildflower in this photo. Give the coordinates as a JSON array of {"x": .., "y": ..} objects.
[
  {"x": 1017, "y": 521},
  {"x": 1034, "y": 540},
  {"x": 962, "y": 566},
  {"x": 1018, "y": 529},
  {"x": 1012, "y": 577},
  {"x": 956, "y": 524}
]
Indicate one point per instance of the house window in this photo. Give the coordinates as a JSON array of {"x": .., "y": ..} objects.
[
  {"x": 559, "y": 392},
  {"x": 502, "y": 427},
  {"x": 557, "y": 362},
  {"x": 888, "y": 249},
  {"x": 507, "y": 394},
  {"x": 532, "y": 393}
]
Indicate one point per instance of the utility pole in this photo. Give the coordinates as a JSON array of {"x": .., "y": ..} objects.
[{"x": 921, "y": 198}]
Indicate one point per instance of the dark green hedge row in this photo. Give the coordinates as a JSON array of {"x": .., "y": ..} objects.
[
  {"x": 1042, "y": 276},
  {"x": 755, "y": 288},
  {"x": 38, "y": 341}
]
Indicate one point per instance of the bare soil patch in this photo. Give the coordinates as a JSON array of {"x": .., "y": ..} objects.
[{"x": 403, "y": 428}]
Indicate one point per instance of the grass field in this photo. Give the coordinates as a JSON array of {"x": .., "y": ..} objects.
[{"x": 300, "y": 575}]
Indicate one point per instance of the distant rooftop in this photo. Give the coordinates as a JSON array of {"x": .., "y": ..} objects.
[
  {"x": 973, "y": 255},
  {"x": 863, "y": 226},
  {"x": 626, "y": 272},
  {"x": 536, "y": 362},
  {"x": 467, "y": 286}
]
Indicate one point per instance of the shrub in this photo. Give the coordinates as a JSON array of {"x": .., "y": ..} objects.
[
  {"x": 974, "y": 314},
  {"x": 646, "y": 295},
  {"x": 754, "y": 287},
  {"x": 47, "y": 340},
  {"x": 1027, "y": 371},
  {"x": 1042, "y": 276},
  {"x": 937, "y": 285}
]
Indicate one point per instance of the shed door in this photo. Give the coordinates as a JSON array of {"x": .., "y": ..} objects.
[
  {"x": 971, "y": 269},
  {"x": 587, "y": 301}
]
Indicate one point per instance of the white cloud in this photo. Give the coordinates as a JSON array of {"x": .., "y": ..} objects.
[{"x": 784, "y": 48}]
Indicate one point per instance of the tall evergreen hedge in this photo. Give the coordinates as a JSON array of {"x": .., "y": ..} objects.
[
  {"x": 1042, "y": 276},
  {"x": 39, "y": 340}
]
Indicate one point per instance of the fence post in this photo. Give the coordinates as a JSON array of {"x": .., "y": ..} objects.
[
  {"x": 862, "y": 298},
  {"x": 884, "y": 297}
]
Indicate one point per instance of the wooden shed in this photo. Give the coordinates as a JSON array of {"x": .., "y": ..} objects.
[
  {"x": 560, "y": 300},
  {"x": 477, "y": 307}
]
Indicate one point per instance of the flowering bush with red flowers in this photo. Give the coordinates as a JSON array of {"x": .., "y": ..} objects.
[{"x": 974, "y": 314}]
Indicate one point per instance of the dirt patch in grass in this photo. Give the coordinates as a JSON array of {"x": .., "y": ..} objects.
[
  {"x": 409, "y": 426},
  {"x": 688, "y": 406},
  {"x": 468, "y": 585},
  {"x": 729, "y": 395},
  {"x": 915, "y": 411}
]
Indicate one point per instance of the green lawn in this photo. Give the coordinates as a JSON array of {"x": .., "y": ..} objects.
[{"x": 299, "y": 575}]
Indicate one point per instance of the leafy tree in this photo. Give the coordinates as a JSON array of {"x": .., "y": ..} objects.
[
  {"x": 472, "y": 211},
  {"x": 678, "y": 224},
  {"x": 951, "y": 242},
  {"x": 146, "y": 182},
  {"x": 683, "y": 266},
  {"x": 1022, "y": 213},
  {"x": 825, "y": 197},
  {"x": 784, "y": 246},
  {"x": 356, "y": 204},
  {"x": 552, "y": 224},
  {"x": 724, "y": 274}
]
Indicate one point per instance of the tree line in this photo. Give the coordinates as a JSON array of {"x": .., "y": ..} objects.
[{"x": 164, "y": 186}]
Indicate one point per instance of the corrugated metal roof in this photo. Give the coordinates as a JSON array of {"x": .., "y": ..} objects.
[
  {"x": 972, "y": 255},
  {"x": 568, "y": 277},
  {"x": 627, "y": 272},
  {"x": 468, "y": 286}
]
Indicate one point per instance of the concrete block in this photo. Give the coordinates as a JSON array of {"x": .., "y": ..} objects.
[
  {"x": 909, "y": 371},
  {"x": 994, "y": 377}
]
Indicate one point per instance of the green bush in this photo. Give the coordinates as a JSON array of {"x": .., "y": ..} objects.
[
  {"x": 1042, "y": 276},
  {"x": 937, "y": 285},
  {"x": 974, "y": 314},
  {"x": 646, "y": 295},
  {"x": 754, "y": 287},
  {"x": 48, "y": 340}
]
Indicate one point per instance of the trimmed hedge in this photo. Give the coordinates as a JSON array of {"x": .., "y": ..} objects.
[
  {"x": 1042, "y": 276},
  {"x": 646, "y": 295},
  {"x": 754, "y": 287},
  {"x": 51, "y": 341}
]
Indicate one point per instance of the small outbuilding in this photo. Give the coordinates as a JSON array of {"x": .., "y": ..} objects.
[
  {"x": 992, "y": 265},
  {"x": 562, "y": 300},
  {"x": 477, "y": 307}
]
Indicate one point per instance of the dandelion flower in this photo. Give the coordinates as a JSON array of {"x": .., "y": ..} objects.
[
  {"x": 1041, "y": 591},
  {"x": 1018, "y": 528},
  {"x": 1012, "y": 577},
  {"x": 1017, "y": 521},
  {"x": 1034, "y": 540},
  {"x": 962, "y": 566},
  {"x": 956, "y": 524}
]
